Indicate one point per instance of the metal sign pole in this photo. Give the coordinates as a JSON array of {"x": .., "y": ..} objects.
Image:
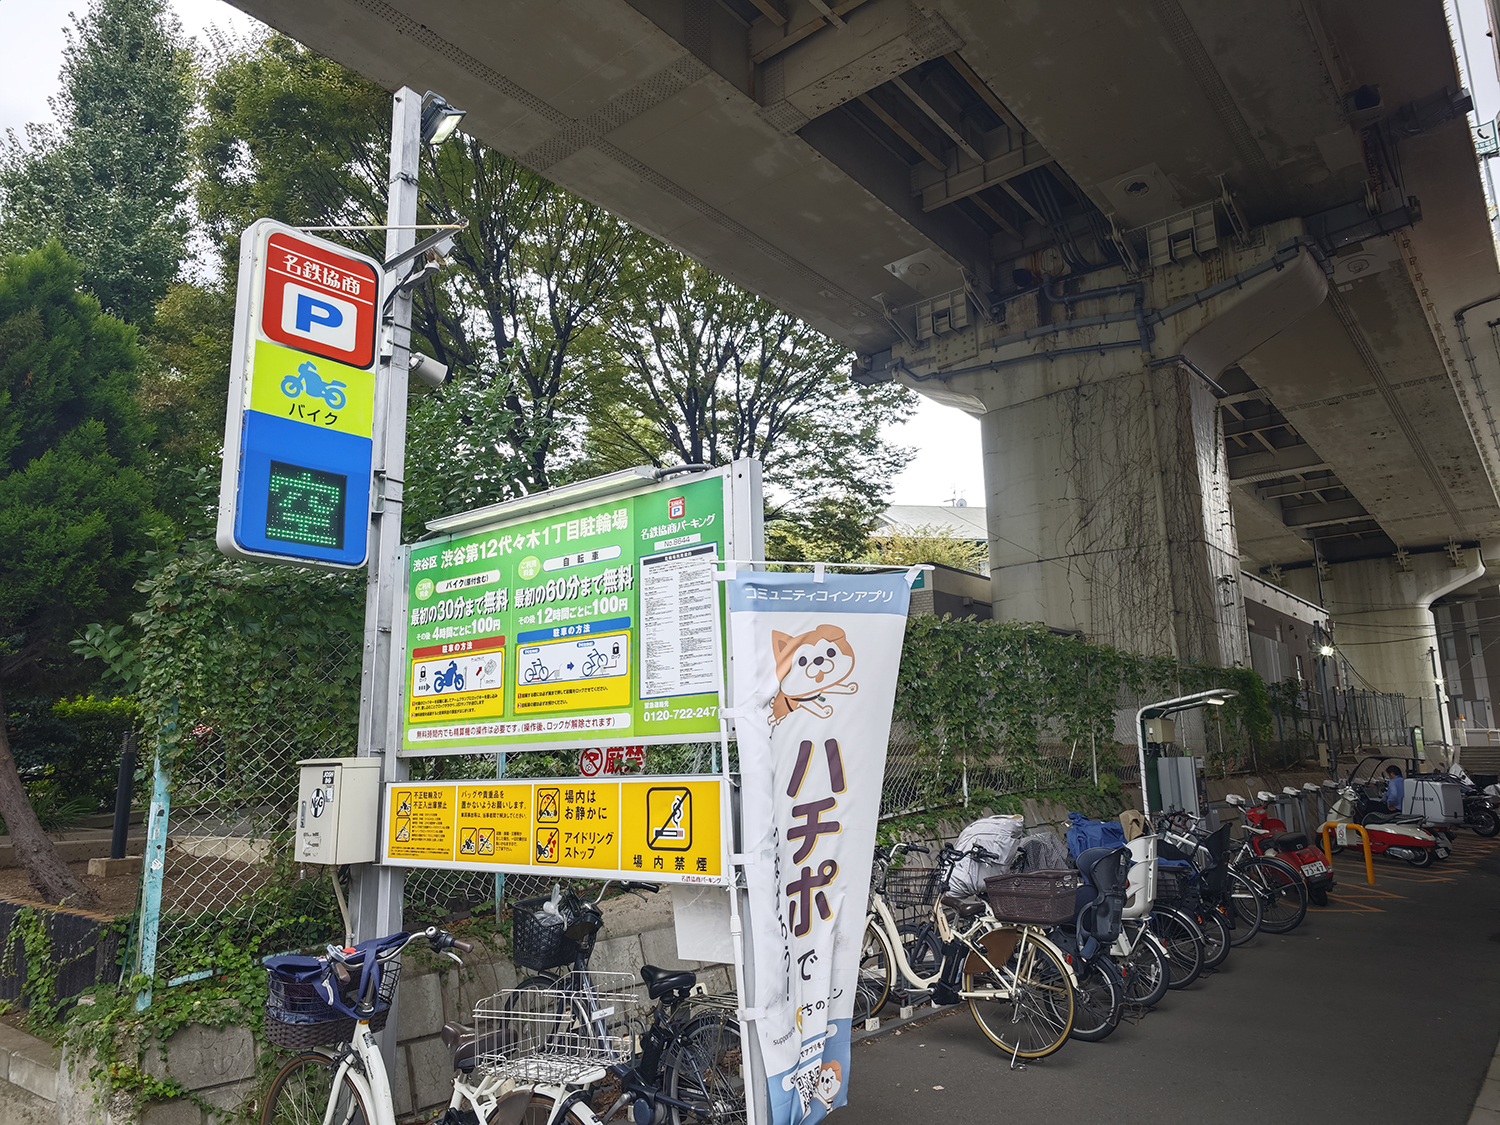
[{"x": 375, "y": 900}]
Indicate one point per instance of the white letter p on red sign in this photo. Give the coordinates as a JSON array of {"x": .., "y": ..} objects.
[{"x": 320, "y": 317}]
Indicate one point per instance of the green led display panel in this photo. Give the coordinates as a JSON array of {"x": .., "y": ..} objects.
[{"x": 306, "y": 506}]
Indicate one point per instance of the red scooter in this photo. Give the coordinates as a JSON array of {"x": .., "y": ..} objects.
[{"x": 1268, "y": 835}]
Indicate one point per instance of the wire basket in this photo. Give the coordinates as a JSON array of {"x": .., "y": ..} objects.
[
  {"x": 564, "y": 1035},
  {"x": 1038, "y": 898},
  {"x": 1169, "y": 886},
  {"x": 298, "y": 1018},
  {"x": 910, "y": 887},
  {"x": 539, "y": 944}
]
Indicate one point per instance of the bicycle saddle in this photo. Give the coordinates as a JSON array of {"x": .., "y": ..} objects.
[
  {"x": 966, "y": 907},
  {"x": 659, "y": 982},
  {"x": 466, "y": 1047}
]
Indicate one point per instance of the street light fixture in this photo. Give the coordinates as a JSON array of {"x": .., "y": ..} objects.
[
  {"x": 1214, "y": 698},
  {"x": 439, "y": 119}
]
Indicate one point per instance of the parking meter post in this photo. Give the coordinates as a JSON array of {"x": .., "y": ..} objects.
[
  {"x": 124, "y": 789},
  {"x": 376, "y": 894}
]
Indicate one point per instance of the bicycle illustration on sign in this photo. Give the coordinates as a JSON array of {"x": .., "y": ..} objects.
[
  {"x": 307, "y": 379},
  {"x": 575, "y": 658}
]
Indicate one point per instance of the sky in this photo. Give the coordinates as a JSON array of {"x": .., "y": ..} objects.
[{"x": 946, "y": 441}]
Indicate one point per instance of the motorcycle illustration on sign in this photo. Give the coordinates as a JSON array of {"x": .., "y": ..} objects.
[
  {"x": 307, "y": 379},
  {"x": 449, "y": 677}
]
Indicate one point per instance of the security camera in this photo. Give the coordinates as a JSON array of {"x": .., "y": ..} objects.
[{"x": 429, "y": 370}]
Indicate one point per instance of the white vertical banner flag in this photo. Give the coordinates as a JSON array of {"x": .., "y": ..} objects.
[{"x": 815, "y": 662}]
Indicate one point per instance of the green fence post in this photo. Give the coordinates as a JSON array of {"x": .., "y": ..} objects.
[{"x": 155, "y": 863}]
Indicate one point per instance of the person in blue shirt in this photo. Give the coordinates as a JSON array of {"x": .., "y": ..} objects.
[{"x": 1395, "y": 789}]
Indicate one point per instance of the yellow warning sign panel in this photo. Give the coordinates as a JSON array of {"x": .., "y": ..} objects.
[
  {"x": 667, "y": 829},
  {"x": 580, "y": 827},
  {"x": 420, "y": 822},
  {"x": 494, "y": 822},
  {"x": 671, "y": 829}
]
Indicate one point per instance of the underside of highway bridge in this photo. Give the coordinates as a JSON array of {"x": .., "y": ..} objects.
[{"x": 1217, "y": 278}]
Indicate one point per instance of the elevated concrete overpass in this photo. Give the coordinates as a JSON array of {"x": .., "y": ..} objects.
[{"x": 1197, "y": 267}]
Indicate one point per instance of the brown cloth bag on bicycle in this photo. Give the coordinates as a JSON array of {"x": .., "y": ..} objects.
[{"x": 1134, "y": 824}]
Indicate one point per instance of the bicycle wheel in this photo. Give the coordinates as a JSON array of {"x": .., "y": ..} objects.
[
  {"x": 1182, "y": 941},
  {"x": 302, "y": 1090},
  {"x": 707, "y": 1073},
  {"x": 1215, "y": 936},
  {"x": 1097, "y": 1000},
  {"x": 539, "y": 1112},
  {"x": 1147, "y": 973},
  {"x": 877, "y": 966},
  {"x": 1245, "y": 909},
  {"x": 1029, "y": 1010},
  {"x": 1283, "y": 893}
]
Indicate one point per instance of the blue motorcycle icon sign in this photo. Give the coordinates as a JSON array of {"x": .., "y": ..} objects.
[
  {"x": 307, "y": 379},
  {"x": 449, "y": 677}
]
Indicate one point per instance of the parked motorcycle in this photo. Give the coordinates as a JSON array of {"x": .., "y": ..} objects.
[
  {"x": 1268, "y": 836},
  {"x": 1429, "y": 799},
  {"x": 1479, "y": 807},
  {"x": 1390, "y": 834}
]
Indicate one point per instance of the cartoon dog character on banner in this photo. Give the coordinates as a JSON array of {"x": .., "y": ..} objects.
[
  {"x": 830, "y": 1081},
  {"x": 809, "y": 668}
]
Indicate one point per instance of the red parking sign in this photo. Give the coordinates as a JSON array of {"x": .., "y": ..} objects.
[{"x": 319, "y": 301}]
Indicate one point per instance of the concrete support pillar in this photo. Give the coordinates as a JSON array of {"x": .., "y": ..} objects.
[
  {"x": 1383, "y": 624},
  {"x": 1105, "y": 477},
  {"x": 1108, "y": 507}
]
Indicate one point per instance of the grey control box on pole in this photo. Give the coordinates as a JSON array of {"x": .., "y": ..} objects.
[{"x": 338, "y": 810}]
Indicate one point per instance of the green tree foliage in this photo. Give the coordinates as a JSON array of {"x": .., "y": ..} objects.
[
  {"x": 184, "y": 388},
  {"x": 74, "y": 507},
  {"x": 110, "y": 180},
  {"x": 68, "y": 752},
  {"x": 702, "y": 372},
  {"x": 924, "y": 543}
]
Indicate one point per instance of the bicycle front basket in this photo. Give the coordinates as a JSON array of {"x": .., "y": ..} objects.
[
  {"x": 539, "y": 942},
  {"x": 1038, "y": 898},
  {"x": 297, "y": 1016},
  {"x": 911, "y": 886}
]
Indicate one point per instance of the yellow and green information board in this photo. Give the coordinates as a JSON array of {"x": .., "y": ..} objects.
[
  {"x": 663, "y": 829},
  {"x": 592, "y": 623}
]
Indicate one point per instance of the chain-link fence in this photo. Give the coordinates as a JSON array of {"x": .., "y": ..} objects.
[{"x": 233, "y": 793}]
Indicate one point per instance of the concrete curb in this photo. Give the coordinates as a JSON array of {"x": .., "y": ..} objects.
[{"x": 1487, "y": 1104}]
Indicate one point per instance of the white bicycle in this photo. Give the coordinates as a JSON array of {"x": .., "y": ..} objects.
[{"x": 329, "y": 1008}]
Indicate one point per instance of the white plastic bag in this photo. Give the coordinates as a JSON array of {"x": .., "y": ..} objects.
[{"x": 998, "y": 835}]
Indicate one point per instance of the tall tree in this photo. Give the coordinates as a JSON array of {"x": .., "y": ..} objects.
[
  {"x": 73, "y": 510},
  {"x": 110, "y": 179},
  {"x": 703, "y": 372}
]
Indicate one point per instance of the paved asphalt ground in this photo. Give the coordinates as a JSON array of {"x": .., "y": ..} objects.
[{"x": 1382, "y": 1009}]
